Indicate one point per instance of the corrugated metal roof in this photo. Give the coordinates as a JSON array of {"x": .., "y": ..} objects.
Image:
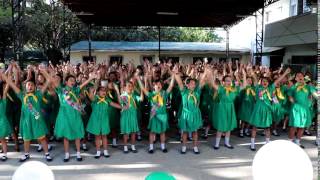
[{"x": 153, "y": 46}]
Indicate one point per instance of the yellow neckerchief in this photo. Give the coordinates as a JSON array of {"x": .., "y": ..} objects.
[
  {"x": 45, "y": 100},
  {"x": 110, "y": 95},
  {"x": 191, "y": 94},
  {"x": 279, "y": 93},
  {"x": 129, "y": 100},
  {"x": 229, "y": 89},
  {"x": 158, "y": 99},
  {"x": 101, "y": 100},
  {"x": 29, "y": 95},
  {"x": 268, "y": 93},
  {"x": 73, "y": 95},
  {"x": 9, "y": 97},
  {"x": 301, "y": 87},
  {"x": 215, "y": 94},
  {"x": 249, "y": 91},
  {"x": 86, "y": 92}
]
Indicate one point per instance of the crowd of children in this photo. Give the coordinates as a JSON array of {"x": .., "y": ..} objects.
[{"x": 73, "y": 102}]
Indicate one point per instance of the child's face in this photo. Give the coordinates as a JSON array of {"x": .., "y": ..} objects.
[
  {"x": 40, "y": 79},
  {"x": 265, "y": 83},
  {"x": 157, "y": 86},
  {"x": 71, "y": 82},
  {"x": 129, "y": 87},
  {"x": 57, "y": 79},
  {"x": 110, "y": 86},
  {"x": 30, "y": 87},
  {"x": 299, "y": 78},
  {"x": 192, "y": 85},
  {"x": 227, "y": 81},
  {"x": 102, "y": 92}
]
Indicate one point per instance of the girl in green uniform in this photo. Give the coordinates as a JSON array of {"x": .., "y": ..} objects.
[
  {"x": 158, "y": 123},
  {"x": 247, "y": 96},
  {"x": 98, "y": 123},
  {"x": 69, "y": 124},
  {"x": 300, "y": 115},
  {"x": 224, "y": 117},
  {"x": 32, "y": 123},
  {"x": 190, "y": 118},
  {"x": 262, "y": 111},
  {"x": 129, "y": 117},
  {"x": 5, "y": 126}
]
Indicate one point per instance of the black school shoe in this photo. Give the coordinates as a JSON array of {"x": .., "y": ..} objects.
[
  {"x": 4, "y": 158},
  {"x": 79, "y": 159},
  {"x": 24, "y": 158},
  {"x": 150, "y": 151},
  {"x": 48, "y": 158},
  {"x": 216, "y": 147},
  {"x": 97, "y": 156},
  {"x": 66, "y": 159},
  {"x": 228, "y": 146},
  {"x": 165, "y": 150}
]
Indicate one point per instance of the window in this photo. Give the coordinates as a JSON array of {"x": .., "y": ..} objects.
[
  {"x": 306, "y": 7},
  {"x": 172, "y": 59},
  {"x": 115, "y": 59},
  {"x": 87, "y": 58},
  {"x": 268, "y": 16},
  {"x": 293, "y": 7}
]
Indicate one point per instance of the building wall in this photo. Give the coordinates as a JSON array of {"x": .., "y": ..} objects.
[
  {"x": 299, "y": 50},
  {"x": 137, "y": 57}
]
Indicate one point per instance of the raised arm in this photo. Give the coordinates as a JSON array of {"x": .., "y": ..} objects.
[
  {"x": 282, "y": 76},
  {"x": 213, "y": 80},
  {"x": 203, "y": 77},
  {"x": 171, "y": 83},
  {"x": 11, "y": 84},
  {"x": 141, "y": 85},
  {"x": 244, "y": 76},
  {"x": 5, "y": 91},
  {"x": 91, "y": 77}
]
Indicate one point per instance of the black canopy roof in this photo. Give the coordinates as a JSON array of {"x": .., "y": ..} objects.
[{"x": 199, "y": 13}]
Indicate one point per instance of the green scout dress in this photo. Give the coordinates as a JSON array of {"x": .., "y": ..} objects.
[
  {"x": 99, "y": 120},
  {"x": 300, "y": 114},
  {"x": 190, "y": 118},
  {"x": 114, "y": 113},
  {"x": 262, "y": 111},
  {"x": 4, "y": 123},
  {"x": 32, "y": 123},
  {"x": 158, "y": 122},
  {"x": 129, "y": 117},
  {"x": 278, "y": 106},
  {"x": 69, "y": 123},
  {"x": 224, "y": 117},
  {"x": 247, "y": 97}
]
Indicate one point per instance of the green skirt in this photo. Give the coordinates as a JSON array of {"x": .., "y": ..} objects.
[
  {"x": 300, "y": 116},
  {"x": 245, "y": 110},
  {"x": 224, "y": 117},
  {"x": 129, "y": 121},
  {"x": 114, "y": 117},
  {"x": 190, "y": 119},
  {"x": 278, "y": 113},
  {"x": 5, "y": 127},
  {"x": 158, "y": 123},
  {"x": 261, "y": 115},
  {"x": 69, "y": 124},
  {"x": 31, "y": 128}
]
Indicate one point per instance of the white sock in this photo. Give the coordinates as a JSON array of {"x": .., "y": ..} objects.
[
  {"x": 241, "y": 131},
  {"x": 291, "y": 140},
  {"x": 226, "y": 141},
  {"x": 252, "y": 142},
  {"x": 114, "y": 141},
  {"x": 207, "y": 131},
  {"x": 195, "y": 149},
  {"x": 297, "y": 141},
  {"x": 105, "y": 152},
  {"x": 267, "y": 140},
  {"x": 190, "y": 135},
  {"x": 217, "y": 142},
  {"x": 67, "y": 155},
  {"x": 246, "y": 130},
  {"x": 84, "y": 145},
  {"x": 133, "y": 147},
  {"x": 184, "y": 148},
  {"x": 151, "y": 146},
  {"x": 98, "y": 153},
  {"x": 49, "y": 146},
  {"x": 125, "y": 148},
  {"x": 78, "y": 155},
  {"x": 163, "y": 146},
  {"x": 39, "y": 146}
]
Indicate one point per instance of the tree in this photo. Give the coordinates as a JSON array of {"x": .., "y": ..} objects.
[{"x": 6, "y": 32}]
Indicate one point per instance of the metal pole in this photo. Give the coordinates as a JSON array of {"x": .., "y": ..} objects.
[{"x": 227, "y": 43}]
